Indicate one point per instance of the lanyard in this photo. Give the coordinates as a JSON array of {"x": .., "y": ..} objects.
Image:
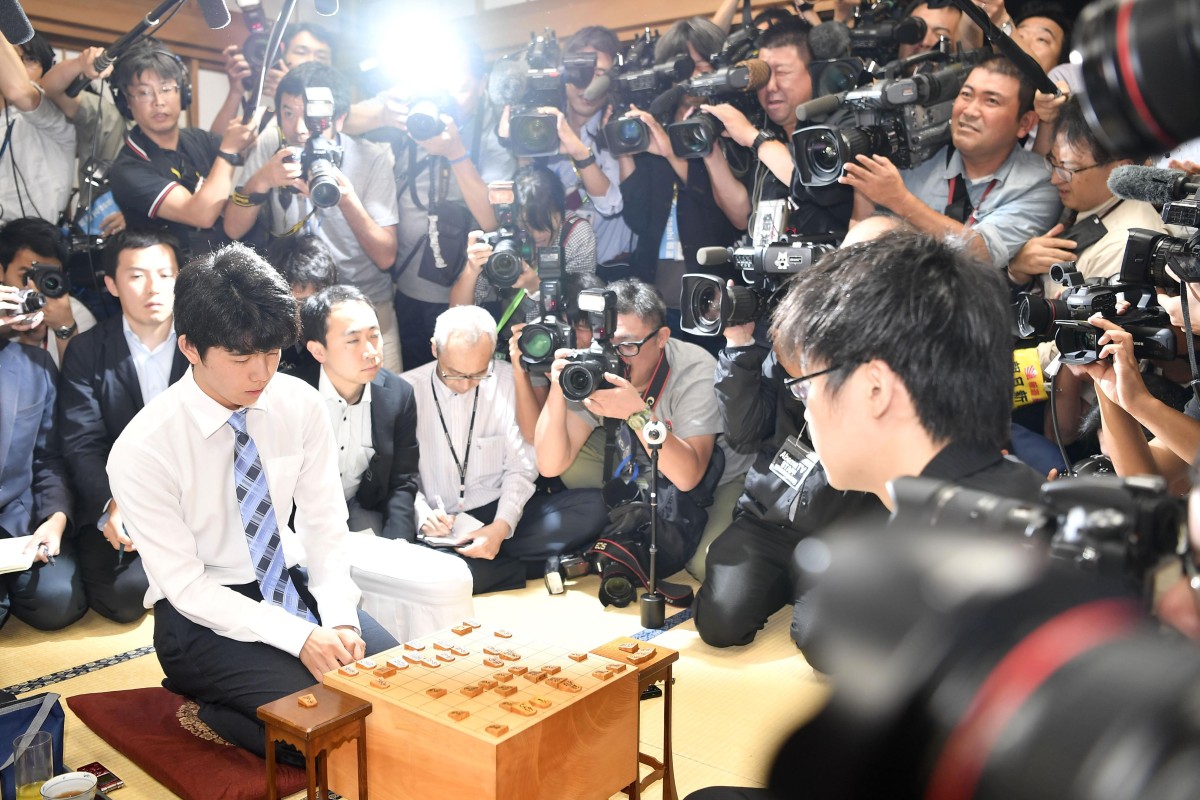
[
  {"x": 969, "y": 221},
  {"x": 461, "y": 466}
]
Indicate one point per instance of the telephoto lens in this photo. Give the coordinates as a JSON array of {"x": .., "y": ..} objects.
[
  {"x": 503, "y": 267},
  {"x": 695, "y": 137},
  {"x": 424, "y": 120}
]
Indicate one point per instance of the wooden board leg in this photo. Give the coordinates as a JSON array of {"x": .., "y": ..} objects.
[
  {"x": 362, "y": 759},
  {"x": 272, "y": 790},
  {"x": 310, "y": 766}
]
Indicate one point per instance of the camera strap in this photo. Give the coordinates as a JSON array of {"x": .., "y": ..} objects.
[
  {"x": 617, "y": 435},
  {"x": 959, "y": 208}
]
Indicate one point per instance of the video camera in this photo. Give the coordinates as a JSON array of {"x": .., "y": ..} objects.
[
  {"x": 905, "y": 119},
  {"x": 320, "y": 157},
  {"x": 538, "y": 79},
  {"x": 585, "y": 372},
  {"x": 736, "y": 84},
  {"x": 708, "y": 306},
  {"x": 638, "y": 81}
]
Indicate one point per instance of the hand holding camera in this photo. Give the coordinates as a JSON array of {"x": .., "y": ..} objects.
[
  {"x": 619, "y": 401},
  {"x": 1116, "y": 372},
  {"x": 19, "y": 309},
  {"x": 281, "y": 170},
  {"x": 446, "y": 143},
  {"x": 240, "y": 136}
]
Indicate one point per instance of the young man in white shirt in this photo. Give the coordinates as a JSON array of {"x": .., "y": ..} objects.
[{"x": 206, "y": 477}]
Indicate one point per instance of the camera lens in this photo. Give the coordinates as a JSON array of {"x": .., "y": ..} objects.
[
  {"x": 503, "y": 266},
  {"x": 695, "y": 137},
  {"x": 629, "y": 131},
  {"x": 579, "y": 379},
  {"x": 424, "y": 120},
  {"x": 619, "y": 589},
  {"x": 837, "y": 76},
  {"x": 534, "y": 134},
  {"x": 706, "y": 308},
  {"x": 323, "y": 188},
  {"x": 52, "y": 283},
  {"x": 537, "y": 342}
]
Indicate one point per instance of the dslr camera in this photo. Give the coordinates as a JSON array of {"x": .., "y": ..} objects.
[
  {"x": 584, "y": 374},
  {"x": 320, "y": 157},
  {"x": 547, "y": 72},
  {"x": 639, "y": 81},
  {"x": 552, "y": 331},
  {"x": 708, "y": 306},
  {"x": 510, "y": 245},
  {"x": 905, "y": 119}
]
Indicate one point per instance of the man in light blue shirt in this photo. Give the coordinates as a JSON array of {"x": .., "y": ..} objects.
[
  {"x": 108, "y": 375},
  {"x": 983, "y": 187}
]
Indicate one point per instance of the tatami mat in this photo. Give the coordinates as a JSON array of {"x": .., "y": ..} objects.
[{"x": 731, "y": 707}]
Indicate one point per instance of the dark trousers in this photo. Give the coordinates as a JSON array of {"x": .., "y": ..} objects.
[
  {"x": 731, "y": 793},
  {"x": 45, "y": 596},
  {"x": 114, "y": 582},
  {"x": 551, "y": 524},
  {"x": 415, "y": 320},
  {"x": 231, "y": 679},
  {"x": 749, "y": 575}
]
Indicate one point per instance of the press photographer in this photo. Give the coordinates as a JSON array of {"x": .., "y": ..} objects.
[
  {"x": 306, "y": 176},
  {"x": 982, "y": 186}
]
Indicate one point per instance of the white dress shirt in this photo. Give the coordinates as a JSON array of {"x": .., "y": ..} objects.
[
  {"x": 500, "y": 464},
  {"x": 153, "y": 367},
  {"x": 351, "y": 431},
  {"x": 171, "y": 472}
]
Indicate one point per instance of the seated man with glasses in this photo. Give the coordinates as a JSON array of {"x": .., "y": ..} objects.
[
  {"x": 1080, "y": 165},
  {"x": 475, "y": 493},
  {"x": 668, "y": 380},
  {"x": 982, "y": 187},
  {"x": 166, "y": 176}
]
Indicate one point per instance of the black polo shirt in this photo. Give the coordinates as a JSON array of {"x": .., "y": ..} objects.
[{"x": 144, "y": 174}]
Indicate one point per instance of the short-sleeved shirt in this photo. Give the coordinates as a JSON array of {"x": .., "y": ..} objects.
[
  {"x": 144, "y": 174},
  {"x": 368, "y": 167},
  {"x": 494, "y": 163},
  {"x": 41, "y": 142},
  {"x": 1019, "y": 205},
  {"x": 688, "y": 405}
]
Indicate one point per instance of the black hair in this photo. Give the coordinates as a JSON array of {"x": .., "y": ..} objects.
[
  {"x": 773, "y": 17},
  {"x": 1072, "y": 126},
  {"x": 303, "y": 260},
  {"x": 1054, "y": 12},
  {"x": 38, "y": 48},
  {"x": 539, "y": 196},
  {"x": 1001, "y": 65},
  {"x": 314, "y": 314},
  {"x": 34, "y": 233},
  {"x": 318, "y": 32},
  {"x": 138, "y": 239},
  {"x": 153, "y": 57},
  {"x": 235, "y": 300},
  {"x": 641, "y": 300},
  {"x": 314, "y": 74},
  {"x": 700, "y": 32},
  {"x": 789, "y": 33},
  {"x": 915, "y": 4},
  {"x": 572, "y": 285},
  {"x": 936, "y": 316},
  {"x": 595, "y": 36}
]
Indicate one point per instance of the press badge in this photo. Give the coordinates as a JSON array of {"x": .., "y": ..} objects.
[{"x": 794, "y": 461}]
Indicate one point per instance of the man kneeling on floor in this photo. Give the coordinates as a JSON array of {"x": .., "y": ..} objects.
[{"x": 206, "y": 477}]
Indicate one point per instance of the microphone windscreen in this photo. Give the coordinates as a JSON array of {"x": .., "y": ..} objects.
[
  {"x": 760, "y": 73},
  {"x": 597, "y": 88},
  {"x": 818, "y": 107},
  {"x": 713, "y": 256},
  {"x": 216, "y": 13},
  {"x": 665, "y": 104},
  {"x": 326, "y": 8},
  {"x": 13, "y": 22},
  {"x": 829, "y": 40},
  {"x": 1150, "y": 184},
  {"x": 506, "y": 84},
  {"x": 910, "y": 30}
]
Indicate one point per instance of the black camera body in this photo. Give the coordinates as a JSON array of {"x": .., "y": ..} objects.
[
  {"x": 48, "y": 280},
  {"x": 708, "y": 306},
  {"x": 254, "y": 47},
  {"x": 735, "y": 84},
  {"x": 533, "y": 133},
  {"x": 424, "y": 120},
  {"x": 1148, "y": 253},
  {"x": 584, "y": 375},
  {"x": 551, "y": 331},
  {"x": 320, "y": 157},
  {"x": 905, "y": 119},
  {"x": 509, "y": 248},
  {"x": 638, "y": 81}
]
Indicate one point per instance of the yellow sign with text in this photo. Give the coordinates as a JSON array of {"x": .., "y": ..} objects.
[{"x": 1029, "y": 385}]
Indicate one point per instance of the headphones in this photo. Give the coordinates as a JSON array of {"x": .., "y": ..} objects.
[{"x": 185, "y": 89}]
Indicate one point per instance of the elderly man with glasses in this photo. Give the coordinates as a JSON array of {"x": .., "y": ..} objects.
[{"x": 476, "y": 477}]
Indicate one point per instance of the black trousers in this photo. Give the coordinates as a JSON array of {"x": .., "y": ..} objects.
[
  {"x": 750, "y": 574},
  {"x": 551, "y": 524},
  {"x": 231, "y": 679},
  {"x": 415, "y": 321},
  {"x": 114, "y": 582},
  {"x": 45, "y": 596}
]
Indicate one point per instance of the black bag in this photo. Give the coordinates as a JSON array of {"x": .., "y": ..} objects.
[
  {"x": 454, "y": 222},
  {"x": 41, "y": 712}
]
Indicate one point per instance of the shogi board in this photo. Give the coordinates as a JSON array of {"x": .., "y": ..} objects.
[{"x": 584, "y": 745}]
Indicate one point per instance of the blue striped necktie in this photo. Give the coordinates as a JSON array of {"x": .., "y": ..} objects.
[{"x": 262, "y": 529}]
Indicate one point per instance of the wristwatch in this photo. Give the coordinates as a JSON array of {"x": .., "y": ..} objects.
[
  {"x": 67, "y": 331},
  {"x": 638, "y": 419},
  {"x": 586, "y": 162},
  {"x": 1007, "y": 27},
  {"x": 764, "y": 135},
  {"x": 233, "y": 158}
]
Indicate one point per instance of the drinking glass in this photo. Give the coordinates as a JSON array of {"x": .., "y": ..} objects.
[{"x": 34, "y": 763}]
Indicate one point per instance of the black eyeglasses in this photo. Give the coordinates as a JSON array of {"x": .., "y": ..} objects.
[
  {"x": 631, "y": 349},
  {"x": 1066, "y": 173},
  {"x": 799, "y": 386},
  {"x": 491, "y": 369}
]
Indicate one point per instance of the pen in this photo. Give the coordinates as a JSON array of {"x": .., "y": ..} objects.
[{"x": 45, "y": 548}]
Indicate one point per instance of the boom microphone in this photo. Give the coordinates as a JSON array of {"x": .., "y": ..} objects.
[
  {"x": 666, "y": 103},
  {"x": 508, "y": 81},
  {"x": 13, "y": 22},
  {"x": 216, "y": 14},
  {"x": 326, "y": 8},
  {"x": 818, "y": 107},
  {"x": 1153, "y": 185},
  {"x": 713, "y": 256},
  {"x": 596, "y": 89},
  {"x": 829, "y": 40},
  {"x": 746, "y": 76}
]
